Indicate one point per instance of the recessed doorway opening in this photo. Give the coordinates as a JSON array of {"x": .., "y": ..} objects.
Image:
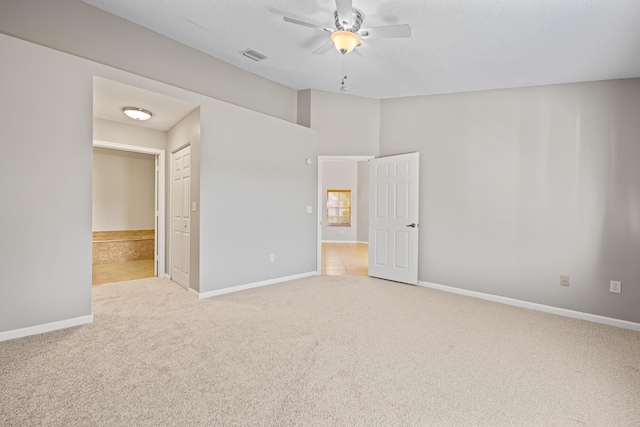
[{"x": 173, "y": 122}]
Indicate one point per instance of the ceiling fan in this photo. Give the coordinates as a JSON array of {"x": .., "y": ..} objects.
[{"x": 348, "y": 33}]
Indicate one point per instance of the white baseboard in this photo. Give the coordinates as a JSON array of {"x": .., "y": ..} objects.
[
  {"x": 47, "y": 327},
  {"x": 539, "y": 307},
  {"x": 340, "y": 241},
  {"x": 253, "y": 285}
]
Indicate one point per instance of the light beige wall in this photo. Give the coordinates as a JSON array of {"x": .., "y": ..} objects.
[
  {"x": 520, "y": 186},
  {"x": 45, "y": 175},
  {"x": 187, "y": 132},
  {"x": 83, "y": 30},
  {"x": 304, "y": 108},
  {"x": 347, "y": 125},
  {"x": 255, "y": 187},
  {"x": 244, "y": 155},
  {"x": 123, "y": 190},
  {"x": 339, "y": 175},
  {"x": 110, "y": 131},
  {"x": 363, "y": 202}
]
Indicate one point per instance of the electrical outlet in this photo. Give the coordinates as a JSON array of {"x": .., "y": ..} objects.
[
  {"x": 564, "y": 280},
  {"x": 615, "y": 287},
  {"x": 272, "y": 258}
]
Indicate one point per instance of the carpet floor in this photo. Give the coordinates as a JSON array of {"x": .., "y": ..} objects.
[{"x": 320, "y": 351}]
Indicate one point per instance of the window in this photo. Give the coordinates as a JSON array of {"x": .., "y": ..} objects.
[{"x": 339, "y": 208}]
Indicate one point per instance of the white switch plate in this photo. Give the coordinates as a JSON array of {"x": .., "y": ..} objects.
[
  {"x": 193, "y": 206},
  {"x": 309, "y": 209},
  {"x": 615, "y": 287},
  {"x": 272, "y": 258}
]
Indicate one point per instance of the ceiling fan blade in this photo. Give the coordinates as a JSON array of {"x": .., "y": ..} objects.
[
  {"x": 307, "y": 24},
  {"x": 323, "y": 49},
  {"x": 345, "y": 12},
  {"x": 366, "y": 51},
  {"x": 386, "y": 32}
]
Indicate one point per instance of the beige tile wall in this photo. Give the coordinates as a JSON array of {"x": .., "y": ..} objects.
[{"x": 122, "y": 245}]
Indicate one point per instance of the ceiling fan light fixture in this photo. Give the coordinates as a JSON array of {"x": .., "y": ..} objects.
[
  {"x": 345, "y": 41},
  {"x": 137, "y": 113}
]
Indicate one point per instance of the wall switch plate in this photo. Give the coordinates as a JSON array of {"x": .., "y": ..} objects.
[
  {"x": 564, "y": 280},
  {"x": 309, "y": 209},
  {"x": 193, "y": 206},
  {"x": 272, "y": 258},
  {"x": 615, "y": 287}
]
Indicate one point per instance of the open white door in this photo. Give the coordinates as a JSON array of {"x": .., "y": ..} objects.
[
  {"x": 181, "y": 219},
  {"x": 393, "y": 218}
]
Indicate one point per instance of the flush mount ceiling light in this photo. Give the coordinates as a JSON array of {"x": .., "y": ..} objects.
[
  {"x": 137, "y": 113},
  {"x": 345, "y": 41}
]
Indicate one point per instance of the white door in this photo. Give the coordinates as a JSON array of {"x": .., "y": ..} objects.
[
  {"x": 393, "y": 218},
  {"x": 180, "y": 215}
]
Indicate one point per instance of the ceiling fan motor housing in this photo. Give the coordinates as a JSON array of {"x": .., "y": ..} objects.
[{"x": 356, "y": 21}]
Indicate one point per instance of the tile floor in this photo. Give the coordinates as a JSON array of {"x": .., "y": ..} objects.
[
  {"x": 120, "y": 271},
  {"x": 338, "y": 259},
  {"x": 345, "y": 259}
]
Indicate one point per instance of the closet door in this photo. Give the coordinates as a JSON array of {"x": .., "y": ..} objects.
[{"x": 180, "y": 215}]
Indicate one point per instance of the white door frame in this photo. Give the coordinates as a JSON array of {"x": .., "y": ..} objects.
[
  {"x": 319, "y": 209},
  {"x": 160, "y": 232}
]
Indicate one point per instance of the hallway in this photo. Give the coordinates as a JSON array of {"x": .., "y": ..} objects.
[{"x": 345, "y": 259}]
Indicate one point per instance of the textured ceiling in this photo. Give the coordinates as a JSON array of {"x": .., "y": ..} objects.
[
  {"x": 456, "y": 45},
  {"x": 109, "y": 98}
]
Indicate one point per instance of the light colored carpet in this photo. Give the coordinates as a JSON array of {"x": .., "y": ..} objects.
[{"x": 321, "y": 351}]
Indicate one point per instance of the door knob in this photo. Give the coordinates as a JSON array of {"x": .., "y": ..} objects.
[{"x": 412, "y": 225}]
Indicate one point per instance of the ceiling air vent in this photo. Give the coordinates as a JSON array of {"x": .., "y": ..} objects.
[{"x": 252, "y": 54}]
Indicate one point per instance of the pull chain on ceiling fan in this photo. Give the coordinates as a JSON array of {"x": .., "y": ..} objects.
[{"x": 344, "y": 76}]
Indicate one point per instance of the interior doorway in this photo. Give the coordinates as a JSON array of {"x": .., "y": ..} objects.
[
  {"x": 128, "y": 229},
  {"x": 342, "y": 215},
  {"x": 173, "y": 122}
]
